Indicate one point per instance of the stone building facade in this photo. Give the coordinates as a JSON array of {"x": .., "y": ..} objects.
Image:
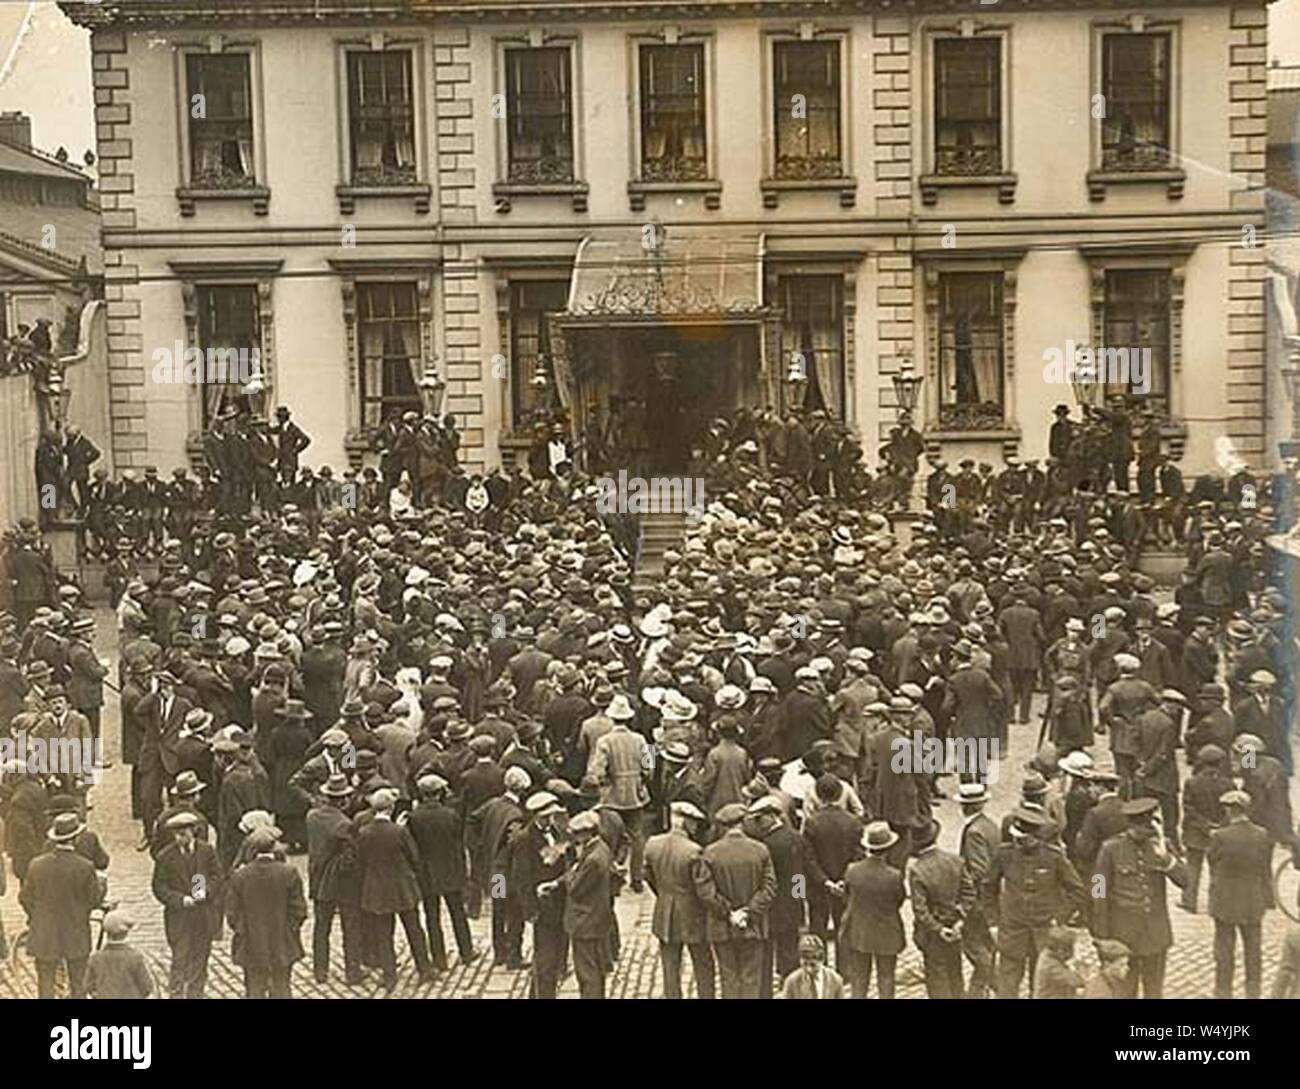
[{"x": 665, "y": 210}]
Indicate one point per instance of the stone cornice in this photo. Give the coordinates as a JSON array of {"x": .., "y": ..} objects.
[{"x": 109, "y": 14}]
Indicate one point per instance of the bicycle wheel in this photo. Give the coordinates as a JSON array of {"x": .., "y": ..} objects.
[{"x": 1286, "y": 889}]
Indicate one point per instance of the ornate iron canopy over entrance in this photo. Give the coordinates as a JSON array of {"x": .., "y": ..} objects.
[{"x": 663, "y": 273}]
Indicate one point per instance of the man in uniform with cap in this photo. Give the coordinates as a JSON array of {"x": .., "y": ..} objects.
[
  {"x": 266, "y": 909},
  {"x": 1131, "y": 875},
  {"x": 1241, "y": 890},
  {"x": 187, "y": 881},
  {"x": 671, "y": 859},
  {"x": 390, "y": 887},
  {"x": 438, "y": 833},
  {"x": 589, "y": 905},
  {"x": 737, "y": 882},
  {"x": 58, "y": 894},
  {"x": 333, "y": 884},
  {"x": 1032, "y": 886}
]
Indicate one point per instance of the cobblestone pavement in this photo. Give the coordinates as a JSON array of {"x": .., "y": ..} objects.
[{"x": 1190, "y": 971}]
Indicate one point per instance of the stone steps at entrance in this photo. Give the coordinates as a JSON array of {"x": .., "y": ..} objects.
[{"x": 661, "y": 531}]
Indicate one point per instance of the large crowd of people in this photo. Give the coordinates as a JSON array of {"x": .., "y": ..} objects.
[{"x": 453, "y": 691}]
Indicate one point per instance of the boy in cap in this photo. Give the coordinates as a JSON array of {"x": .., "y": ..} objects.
[
  {"x": 118, "y": 969},
  {"x": 1111, "y": 980},
  {"x": 813, "y": 979},
  {"x": 1202, "y": 813}
]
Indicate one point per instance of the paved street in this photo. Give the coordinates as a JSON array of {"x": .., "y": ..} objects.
[{"x": 1190, "y": 973}]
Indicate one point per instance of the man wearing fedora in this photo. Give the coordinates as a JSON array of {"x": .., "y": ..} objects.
[
  {"x": 671, "y": 859},
  {"x": 86, "y": 672},
  {"x": 244, "y": 786},
  {"x": 187, "y": 881},
  {"x": 767, "y": 821},
  {"x": 58, "y": 893},
  {"x": 737, "y": 883},
  {"x": 978, "y": 841},
  {"x": 333, "y": 878},
  {"x": 871, "y": 931},
  {"x": 620, "y": 765}
]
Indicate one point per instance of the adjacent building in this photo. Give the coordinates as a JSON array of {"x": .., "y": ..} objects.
[{"x": 656, "y": 212}]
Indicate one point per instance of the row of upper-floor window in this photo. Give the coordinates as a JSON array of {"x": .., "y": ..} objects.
[{"x": 966, "y": 109}]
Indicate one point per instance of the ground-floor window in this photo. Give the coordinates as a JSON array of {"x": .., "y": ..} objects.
[
  {"x": 1136, "y": 318},
  {"x": 813, "y": 326},
  {"x": 970, "y": 349},
  {"x": 530, "y": 341},
  {"x": 229, "y": 335},
  {"x": 388, "y": 322}
]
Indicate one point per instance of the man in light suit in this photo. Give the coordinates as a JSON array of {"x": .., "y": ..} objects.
[
  {"x": 671, "y": 859},
  {"x": 619, "y": 765},
  {"x": 737, "y": 882}
]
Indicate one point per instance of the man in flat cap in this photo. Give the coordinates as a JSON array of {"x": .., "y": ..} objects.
[
  {"x": 1132, "y": 873},
  {"x": 1241, "y": 890},
  {"x": 1124, "y": 700},
  {"x": 1261, "y": 713},
  {"x": 589, "y": 905},
  {"x": 767, "y": 821},
  {"x": 439, "y": 836},
  {"x": 390, "y": 887},
  {"x": 671, "y": 858},
  {"x": 539, "y": 854},
  {"x": 737, "y": 883},
  {"x": 187, "y": 881},
  {"x": 266, "y": 909},
  {"x": 58, "y": 894}
]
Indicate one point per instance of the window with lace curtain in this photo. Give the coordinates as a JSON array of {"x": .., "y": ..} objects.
[
  {"x": 1136, "y": 317},
  {"x": 970, "y": 346},
  {"x": 381, "y": 117},
  {"x": 1135, "y": 82},
  {"x": 812, "y": 309},
  {"x": 806, "y": 98},
  {"x": 674, "y": 143},
  {"x": 539, "y": 115},
  {"x": 968, "y": 106},
  {"x": 388, "y": 331},
  {"x": 221, "y": 140},
  {"x": 229, "y": 330}
]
